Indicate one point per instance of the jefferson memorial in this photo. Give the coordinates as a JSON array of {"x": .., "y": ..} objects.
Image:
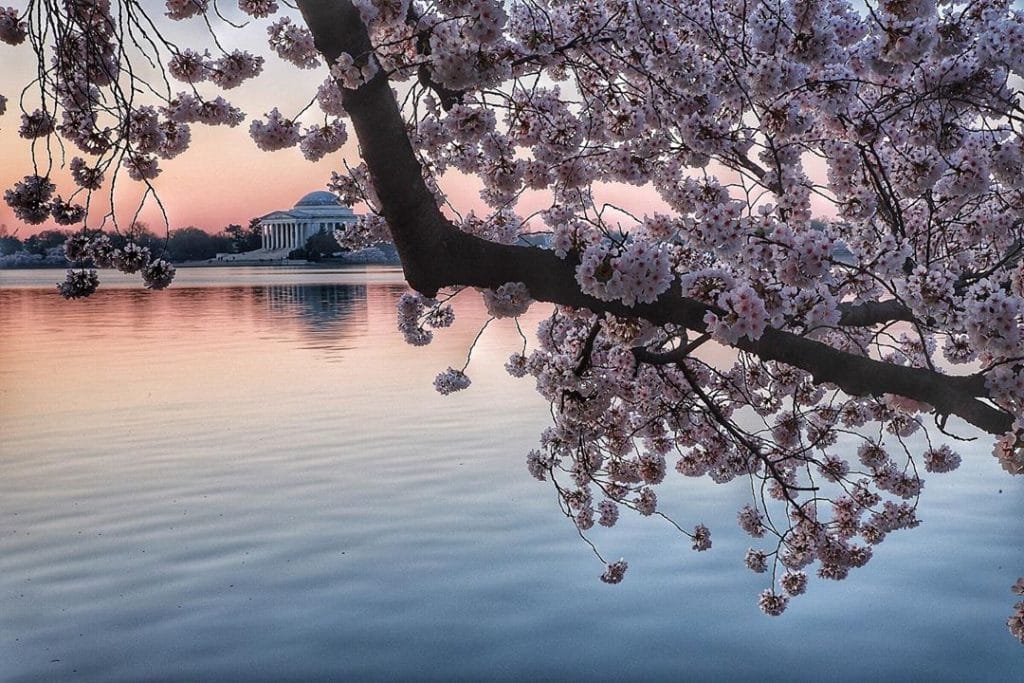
[
  {"x": 287, "y": 230},
  {"x": 283, "y": 231}
]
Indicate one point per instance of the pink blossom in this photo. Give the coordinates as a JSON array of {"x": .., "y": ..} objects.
[
  {"x": 351, "y": 74},
  {"x": 794, "y": 583},
  {"x": 232, "y": 69},
  {"x": 772, "y": 604},
  {"x": 609, "y": 512},
  {"x": 158, "y": 274},
  {"x": 293, "y": 43},
  {"x": 756, "y": 561},
  {"x": 189, "y": 66},
  {"x": 701, "y": 538},
  {"x": 131, "y": 258},
  {"x": 258, "y": 8},
  {"x": 66, "y": 213},
  {"x": 510, "y": 300},
  {"x": 84, "y": 176},
  {"x": 319, "y": 141},
  {"x": 615, "y": 572},
  {"x": 38, "y": 124},
  {"x": 450, "y": 381},
  {"x": 141, "y": 166},
  {"x": 30, "y": 198},
  {"x": 183, "y": 9},
  {"x": 647, "y": 502},
  {"x": 751, "y": 521},
  {"x": 79, "y": 284},
  {"x": 13, "y": 31},
  {"x": 276, "y": 133},
  {"x": 941, "y": 459}
]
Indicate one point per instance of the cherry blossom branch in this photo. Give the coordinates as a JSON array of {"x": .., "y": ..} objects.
[{"x": 435, "y": 254}]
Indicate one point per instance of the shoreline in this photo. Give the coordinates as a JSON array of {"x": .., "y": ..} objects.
[{"x": 326, "y": 263}]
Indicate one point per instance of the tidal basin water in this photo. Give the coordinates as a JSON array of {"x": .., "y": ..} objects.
[{"x": 250, "y": 477}]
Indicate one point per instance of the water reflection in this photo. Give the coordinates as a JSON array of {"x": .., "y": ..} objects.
[
  {"x": 325, "y": 311},
  {"x": 324, "y": 316}
]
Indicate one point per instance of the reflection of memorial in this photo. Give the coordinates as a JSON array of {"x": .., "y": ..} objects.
[{"x": 325, "y": 311}]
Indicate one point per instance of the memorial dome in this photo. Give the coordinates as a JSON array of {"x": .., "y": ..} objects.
[{"x": 318, "y": 198}]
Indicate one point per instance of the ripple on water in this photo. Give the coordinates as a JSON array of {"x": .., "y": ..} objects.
[{"x": 250, "y": 477}]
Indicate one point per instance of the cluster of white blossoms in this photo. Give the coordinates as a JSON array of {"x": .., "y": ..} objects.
[
  {"x": 79, "y": 284},
  {"x": 258, "y": 8},
  {"x": 13, "y": 30},
  {"x": 293, "y": 43},
  {"x": 228, "y": 71},
  {"x": 510, "y": 300},
  {"x": 450, "y": 381},
  {"x": 319, "y": 141},
  {"x": 277, "y": 132},
  {"x": 38, "y": 124},
  {"x": 234, "y": 68},
  {"x": 183, "y": 9},
  {"x": 1016, "y": 621},
  {"x": 417, "y": 314},
  {"x": 635, "y": 273},
  {"x": 615, "y": 571},
  {"x": 189, "y": 108},
  {"x": 98, "y": 251},
  {"x": 745, "y": 317},
  {"x": 367, "y": 230},
  {"x": 351, "y": 74},
  {"x": 30, "y": 198}
]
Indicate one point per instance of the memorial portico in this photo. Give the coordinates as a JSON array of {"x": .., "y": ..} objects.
[{"x": 288, "y": 230}]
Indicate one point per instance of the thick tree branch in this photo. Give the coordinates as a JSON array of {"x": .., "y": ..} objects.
[
  {"x": 869, "y": 313},
  {"x": 416, "y": 223},
  {"x": 435, "y": 254}
]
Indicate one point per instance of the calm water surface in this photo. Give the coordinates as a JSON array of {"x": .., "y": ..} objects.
[{"x": 250, "y": 477}]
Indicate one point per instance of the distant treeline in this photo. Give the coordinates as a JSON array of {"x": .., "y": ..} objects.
[{"x": 183, "y": 244}]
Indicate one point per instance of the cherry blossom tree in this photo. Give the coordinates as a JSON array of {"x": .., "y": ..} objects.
[{"x": 841, "y": 205}]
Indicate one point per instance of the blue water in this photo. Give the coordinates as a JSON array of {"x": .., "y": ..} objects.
[{"x": 249, "y": 477}]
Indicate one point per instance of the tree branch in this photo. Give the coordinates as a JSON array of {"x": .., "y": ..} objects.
[
  {"x": 436, "y": 254},
  {"x": 868, "y": 313}
]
